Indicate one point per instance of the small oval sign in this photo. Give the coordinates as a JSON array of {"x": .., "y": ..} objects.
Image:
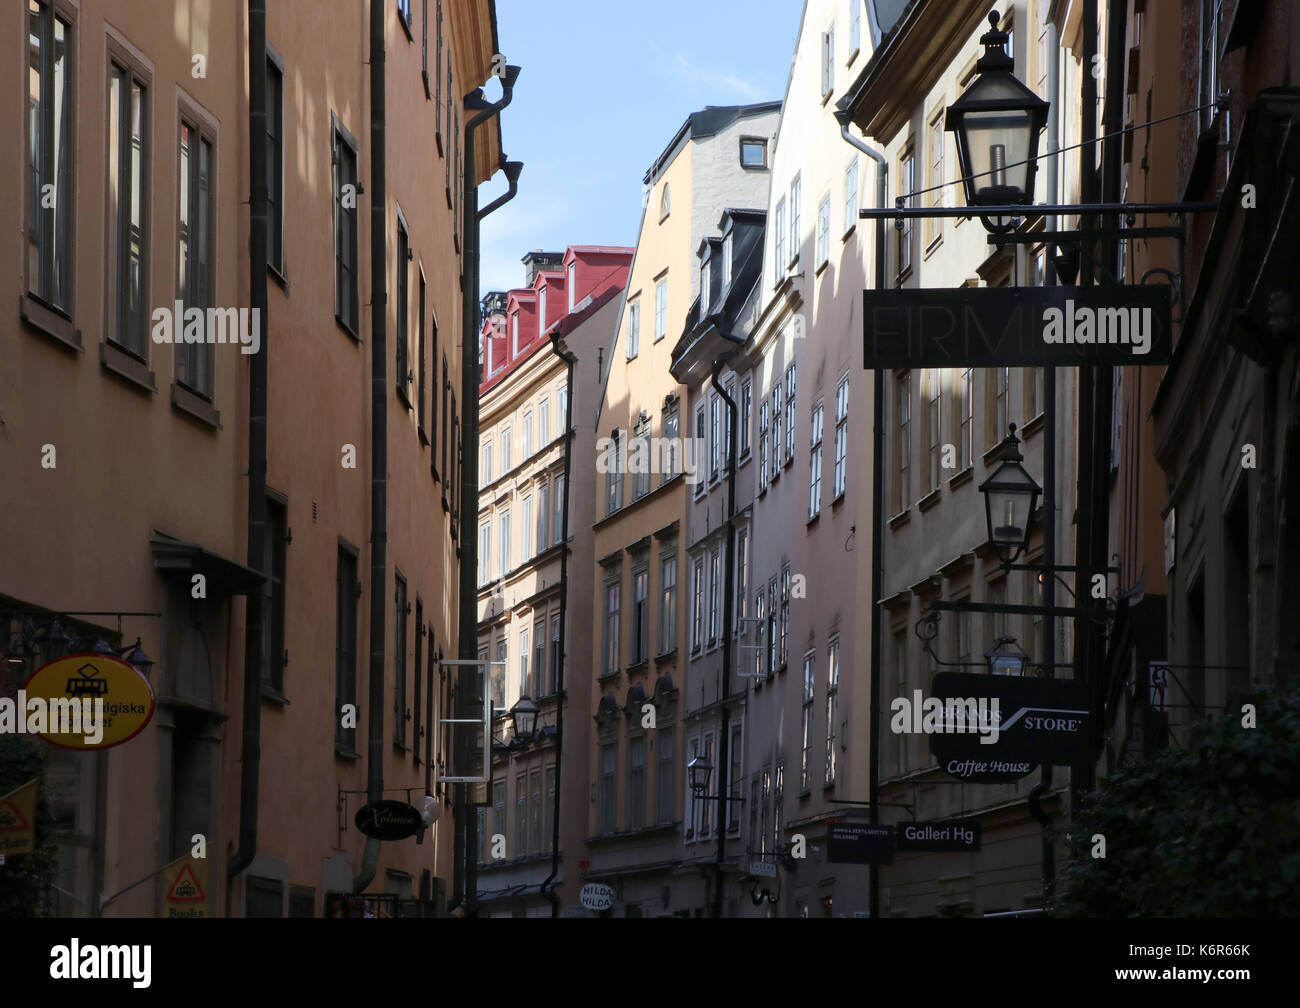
[
  {"x": 596, "y": 897},
  {"x": 85, "y": 701},
  {"x": 388, "y": 820}
]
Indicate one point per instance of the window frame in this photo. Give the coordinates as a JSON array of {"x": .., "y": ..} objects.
[
  {"x": 343, "y": 147},
  {"x": 206, "y": 130},
  {"x": 117, "y": 225}
]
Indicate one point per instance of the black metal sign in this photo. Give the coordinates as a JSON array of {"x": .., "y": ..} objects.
[
  {"x": 388, "y": 820},
  {"x": 1037, "y": 721},
  {"x": 860, "y": 843},
  {"x": 1016, "y": 326},
  {"x": 939, "y": 835}
]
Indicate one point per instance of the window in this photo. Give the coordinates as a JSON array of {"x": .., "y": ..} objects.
[
  {"x": 499, "y": 808},
  {"x": 742, "y": 576},
  {"x": 544, "y": 422},
  {"x": 841, "y": 436},
  {"x": 484, "y": 553},
  {"x": 755, "y": 837},
  {"x": 514, "y": 331},
  {"x": 485, "y": 477},
  {"x": 964, "y": 408},
  {"x": 420, "y": 350},
  {"x": 706, "y": 809},
  {"x": 746, "y": 414},
  {"x": 273, "y": 597},
  {"x": 562, "y": 409},
  {"x": 611, "y": 627},
  {"x": 535, "y": 811},
  {"x": 809, "y": 670},
  {"x": 815, "y": 463},
  {"x": 727, "y": 246},
  {"x": 403, "y": 306},
  {"x": 400, "y": 711},
  {"x": 785, "y": 613},
  {"x": 934, "y": 180},
  {"x": 824, "y": 230},
  {"x": 572, "y": 285},
  {"x": 641, "y": 453},
  {"x": 760, "y": 652},
  {"x": 762, "y": 445},
  {"x": 772, "y": 639},
  {"x": 559, "y": 508},
  {"x": 505, "y": 450},
  {"x": 127, "y": 192},
  {"x": 504, "y": 526},
  {"x": 796, "y": 191},
  {"x": 275, "y": 164},
  {"x": 727, "y": 433},
  {"x": 665, "y": 776},
  {"x": 778, "y": 233},
  {"x": 715, "y": 435},
  {"x": 832, "y": 706},
  {"x": 753, "y": 152},
  {"x": 194, "y": 280},
  {"x": 526, "y": 531},
  {"x": 404, "y": 9},
  {"x": 50, "y": 73},
  {"x": 634, "y": 328},
  {"x": 715, "y": 596},
  {"x": 701, "y": 434},
  {"x": 902, "y": 442},
  {"x": 525, "y": 656},
  {"x": 345, "y": 230},
  {"x": 851, "y": 196},
  {"x": 538, "y": 681},
  {"x": 789, "y": 414},
  {"x": 528, "y": 435},
  {"x": 672, "y": 449},
  {"x": 614, "y": 478},
  {"x": 605, "y": 822},
  {"x": 556, "y": 655},
  {"x": 776, "y": 428},
  {"x": 667, "y": 604},
  {"x": 635, "y": 782},
  {"x": 855, "y": 26},
  {"x": 1211, "y": 23},
  {"x": 906, "y": 183},
  {"x": 828, "y": 60},
  {"x": 998, "y": 416},
  {"x": 764, "y": 795},
  {"x": 543, "y": 516},
  {"x": 640, "y": 617},
  {"x": 498, "y": 676},
  {"x": 418, "y": 733},
  {"x": 692, "y": 803},
  {"x": 697, "y": 605},
  {"x": 521, "y": 814},
  {"x": 704, "y": 289},
  {"x": 541, "y": 309},
  {"x": 345, "y": 647},
  {"x": 933, "y": 412},
  {"x": 735, "y": 786},
  {"x": 665, "y": 203},
  {"x": 661, "y": 308}
]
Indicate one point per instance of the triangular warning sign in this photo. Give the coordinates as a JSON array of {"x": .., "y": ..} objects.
[
  {"x": 12, "y": 818},
  {"x": 186, "y": 888}
]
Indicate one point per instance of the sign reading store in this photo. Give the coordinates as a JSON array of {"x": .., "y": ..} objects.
[{"x": 1016, "y": 326}]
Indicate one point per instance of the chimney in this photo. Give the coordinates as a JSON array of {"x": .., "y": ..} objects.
[{"x": 537, "y": 260}]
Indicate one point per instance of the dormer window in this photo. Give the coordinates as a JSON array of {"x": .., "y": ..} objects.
[
  {"x": 726, "y": 261},
  {"x": 665, "y": 203},
  {"x": 704, "y": 288},
  {"x": 541, "y": 309},
  {"x": 514, "y": 328},
  {"x": 573, "y": 284}
]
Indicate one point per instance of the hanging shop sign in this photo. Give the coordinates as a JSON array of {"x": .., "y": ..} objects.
[
  {"x": 939, "y": 835},
  {"x": 860, "y": 843},
  {"x": 81, "y": 702},
  {"x": 595, "y": 896},
  {"x": 1032, "y": 720},
  {"x": 1016, "y": 326},
  {"x": 388, "y": 820}
]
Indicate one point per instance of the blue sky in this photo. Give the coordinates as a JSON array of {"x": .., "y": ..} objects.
[{"x": 605, "y": 85}]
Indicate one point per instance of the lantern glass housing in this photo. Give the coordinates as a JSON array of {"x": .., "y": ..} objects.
[
  {"x": 699, "y": 770},
  {"x": 1010, "y": 496},
  {"x": 1006, "y": 657},
  {"x": 525, "y": 715},
  {"x": 997, "y": 122}
]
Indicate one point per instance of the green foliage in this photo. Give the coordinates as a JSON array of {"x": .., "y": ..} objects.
[
  {"x": 25, "y": 878},
  {"x": 1206, "y": 833}
]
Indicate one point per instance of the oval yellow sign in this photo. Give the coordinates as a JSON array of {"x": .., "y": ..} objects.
[{"x": 83, "y": 701}]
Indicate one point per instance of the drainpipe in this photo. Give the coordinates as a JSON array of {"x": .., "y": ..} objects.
[
  {"x": 465, "y": 858},
  {"x": 728, "y": 605},
  {"x": 877, "y": 504},
  {"x": 378, "y": 434},
  {"x": 250, "y": 747},
  {"x": 571, "y": 362}
]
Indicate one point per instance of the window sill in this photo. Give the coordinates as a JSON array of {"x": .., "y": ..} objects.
[
  {"x": 1033, "y": 426},
  {"x": 805, "y": 793},
  {"x": 813, "y": 518},
  {"x": 963, "y": 477},
  {"x": 837, "y": 501},
  {"x": 991, "y": 453},
  {"x": 822, "y": 268},
  {"x": 437, "y": 136},
  {"x": 50, "y": 322},
  {"x": 428, "y": 94},
  {"x": 665, "y": 655},
  {"x": 278, "y": 276},
  {"x": 901, "y": 277},
  {"x": 424, "y": 442},
  {"x": 827, "y": 96},
  {"x": 935, "y": 242},
  {"x": 447, "y": 191},
  {"x": 639, "y": 666},
  {"x": 346, "y": 328},
  {"x": 900, "y": 519},
  {"x": 402, "y": 394},
  {"x": 195, "y": 406},
  {"x": 928, "y": 501},
  {"x": 122, "y": 364},
  {"x": 273, "y": 695},
  {"x": 849, "y": 233},
  {"x": 342, "y": 752},
  {"x": 401, "y": 19},
  {"x": 608, "y": 677}
]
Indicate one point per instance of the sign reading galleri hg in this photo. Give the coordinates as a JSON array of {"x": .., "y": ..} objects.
[
  {"x": 1039, "y": 721},
  {"x": 1016, "y": 326}
]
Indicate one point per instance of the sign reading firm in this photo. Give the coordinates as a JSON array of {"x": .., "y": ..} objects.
[
  {"x": 1016, "y": 326},
  {"x": 859, "y": 843}
]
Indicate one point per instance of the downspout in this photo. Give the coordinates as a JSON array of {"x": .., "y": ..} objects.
[
  {"x": 465, "y": 858},
  {"x": 250, "y": 746},
  {"x": 728, "y": 604},
  {"x": 378, "y": 434},
  {"x": 571, "y": 362},
  {"x": 877, "y": 505}
]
